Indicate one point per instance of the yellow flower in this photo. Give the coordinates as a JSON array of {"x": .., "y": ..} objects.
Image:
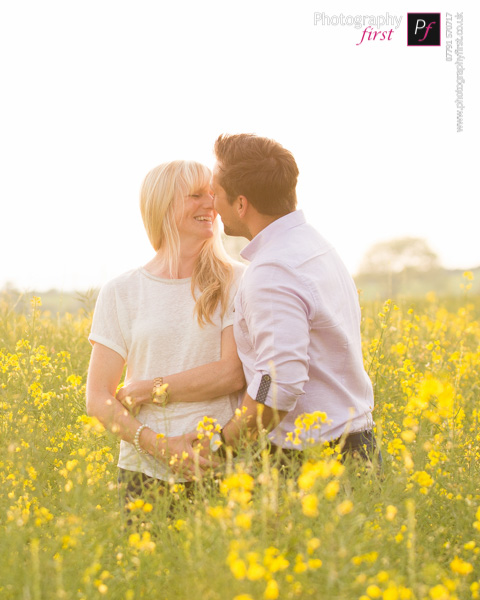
[
  {"x": 312, "y": 545},
  {"x": 391, "y": 512},
  {"x": 255, "y": 572},
  {"x": 374, "y": 591},
  {"x": 300, "y": 565},
  {"x": 461, "y": 567},
  {"x": 331, "y": 490},
  {"x": 238, "y": 568},
  {"x": 271, "y": 591},
  {"x": 306, "y": 481},
  {"x": 468, "y": 275},
  {"x": 476, "y": 523},
  {"x": 439, "y": 592},
  {"x": 345, "y": 507},
  {"x": 423, "y": 479},
  {"x": 217, "y": 512},
  {"x": 240, "y": 480},
  {"x": 243, "y": 520},
  {"x": 310, "y": 505},
  {"x": 314, "y": 563},
  {"x": 408, "y": 435},
  {"x": 143, "y": 543},
  {"x": 243, "y": 597},
  {"x": 474, "y": 587},
  {"x": 390, "y": 593},
  {"x": 274, "y": 561},
  {"x": 180, "y": 524}
]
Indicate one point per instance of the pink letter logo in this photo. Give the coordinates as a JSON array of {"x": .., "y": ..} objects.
[{"x": 423, "y": 29}]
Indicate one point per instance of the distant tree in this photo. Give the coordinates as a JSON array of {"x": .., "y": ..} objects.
[{"x": 400, "y": 254}]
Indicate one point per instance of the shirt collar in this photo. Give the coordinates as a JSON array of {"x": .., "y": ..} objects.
[{"x": 274, "y": 230}]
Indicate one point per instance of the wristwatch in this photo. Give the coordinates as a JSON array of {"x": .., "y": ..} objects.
[{"x": 160, "y": 395}]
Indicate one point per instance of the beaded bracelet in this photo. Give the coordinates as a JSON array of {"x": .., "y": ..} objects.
[{"x": 136, "y": 440}]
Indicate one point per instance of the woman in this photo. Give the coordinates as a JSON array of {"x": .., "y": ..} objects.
[{"x": 171, "y": 323}]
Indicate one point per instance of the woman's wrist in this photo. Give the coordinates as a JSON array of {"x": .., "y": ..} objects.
[
  {"x": 136, "y": 439},
  {"x": 153, "y": 443}
]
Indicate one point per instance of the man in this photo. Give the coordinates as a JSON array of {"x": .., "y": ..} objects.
[{"x": 297, "y": 317}]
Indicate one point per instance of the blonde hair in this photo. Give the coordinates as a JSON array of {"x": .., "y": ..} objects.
[{"x": 163, "y": 188}]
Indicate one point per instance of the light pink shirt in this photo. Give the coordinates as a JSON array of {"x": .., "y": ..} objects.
[{"x": 297, "y": 311}]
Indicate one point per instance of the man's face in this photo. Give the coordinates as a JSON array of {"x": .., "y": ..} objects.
[{"x": 232, "y": 224}]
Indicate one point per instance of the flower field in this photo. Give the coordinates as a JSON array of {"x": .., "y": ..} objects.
[{"x": 254, "y": 529}]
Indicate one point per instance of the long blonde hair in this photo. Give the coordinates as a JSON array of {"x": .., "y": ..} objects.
[{"x": 163, "y": 188}]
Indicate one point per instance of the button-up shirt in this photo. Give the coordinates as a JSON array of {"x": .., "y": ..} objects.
[{"x": 297, "y": 328}]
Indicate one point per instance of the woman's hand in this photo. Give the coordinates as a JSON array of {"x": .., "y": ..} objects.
[{"x": 134, "y": 394}]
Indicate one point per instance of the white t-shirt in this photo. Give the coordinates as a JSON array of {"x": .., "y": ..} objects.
[{"x": 151, "y": 323}]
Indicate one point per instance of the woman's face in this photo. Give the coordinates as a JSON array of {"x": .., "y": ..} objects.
[{"x": 195, "y": 218}]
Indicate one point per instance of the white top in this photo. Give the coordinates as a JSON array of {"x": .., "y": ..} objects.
[
  {"x": 150, "y": 322},
  {"x": 297, "y": 310}
]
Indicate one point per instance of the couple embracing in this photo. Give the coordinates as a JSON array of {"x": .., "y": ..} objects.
[{"x": 201, "y": 335}]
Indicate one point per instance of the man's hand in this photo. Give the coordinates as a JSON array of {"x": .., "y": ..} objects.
[
  {"x": 249, "y": 420},
  {"x": 186, "y": 455}
]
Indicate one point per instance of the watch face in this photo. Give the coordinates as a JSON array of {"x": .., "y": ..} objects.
[
  {"x": 160, "y": 399},
  {"x": 160, "y": 394}
]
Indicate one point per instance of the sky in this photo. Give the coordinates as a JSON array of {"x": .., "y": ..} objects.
[{"x": 97, "y": 93}]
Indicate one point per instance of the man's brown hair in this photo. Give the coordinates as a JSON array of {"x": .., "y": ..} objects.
[{"x": 260, "y": 169}]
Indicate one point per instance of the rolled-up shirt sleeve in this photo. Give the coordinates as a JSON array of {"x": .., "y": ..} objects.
[{"x": 277, "y": 306}]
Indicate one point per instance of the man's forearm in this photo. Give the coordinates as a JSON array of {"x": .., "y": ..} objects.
[{"x": 248, "y": 419}]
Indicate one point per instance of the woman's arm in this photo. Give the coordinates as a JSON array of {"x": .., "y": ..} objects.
[
  {"x": 104, "y": 374},
  {"x": 219, "y": 378}
]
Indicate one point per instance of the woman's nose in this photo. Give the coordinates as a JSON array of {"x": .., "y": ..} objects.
[{"x": 208, "y": 200}]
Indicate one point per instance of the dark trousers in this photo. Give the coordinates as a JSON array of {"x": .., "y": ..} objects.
[
  {"x": 133, "y": 485},
  {"x": 360, "y": 445}
]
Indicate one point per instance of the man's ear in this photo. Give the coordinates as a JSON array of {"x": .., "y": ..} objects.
[{"x": 242, "y": 206}]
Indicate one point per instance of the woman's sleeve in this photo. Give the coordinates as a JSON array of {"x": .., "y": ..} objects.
[{"x": 106, "y": 327}]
